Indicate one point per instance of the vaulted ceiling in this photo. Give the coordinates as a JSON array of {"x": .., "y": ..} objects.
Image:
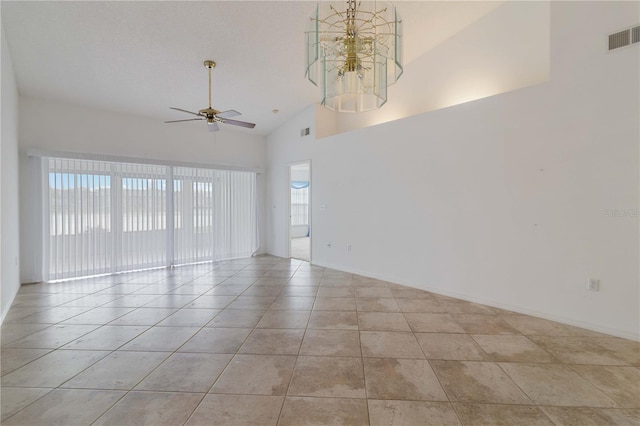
[{"x": 143, "y": 57}]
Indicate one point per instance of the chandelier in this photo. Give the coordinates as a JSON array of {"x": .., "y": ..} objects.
[{"x": 354, "y": 53}]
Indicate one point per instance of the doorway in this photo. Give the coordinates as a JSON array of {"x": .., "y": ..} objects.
[{"x": 300, "y": 211}]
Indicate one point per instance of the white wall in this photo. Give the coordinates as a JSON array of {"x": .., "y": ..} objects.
[
  {"x": 502, "y": 200},
  {"x": 64, "y": 127},
  {"x": 9, "y": 217}
]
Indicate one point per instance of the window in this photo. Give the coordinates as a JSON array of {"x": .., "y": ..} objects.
[
  {"x": 106, "y": 217},
  {"x": 299, "y": 203}
]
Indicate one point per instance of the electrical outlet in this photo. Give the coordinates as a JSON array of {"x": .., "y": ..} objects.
[
  {"x": 593, "y": 284},
  {"x": 349, "y": 248}
]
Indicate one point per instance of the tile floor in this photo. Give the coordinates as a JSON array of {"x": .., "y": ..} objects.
[{"x": 268, "y": 341}]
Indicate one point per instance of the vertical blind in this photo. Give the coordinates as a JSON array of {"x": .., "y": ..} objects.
[
  {"x": 299, "y": 203},
  {"x": 105, "y": 217}
]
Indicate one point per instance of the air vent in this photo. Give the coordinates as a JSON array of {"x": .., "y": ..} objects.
[
  {"x": 304, "y": 132},
  {"x": 619, "y": 39},
  {"x": 635, "y": 34}
]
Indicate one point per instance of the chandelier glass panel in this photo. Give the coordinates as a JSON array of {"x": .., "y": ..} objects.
[{"x": 353, "y": 52}]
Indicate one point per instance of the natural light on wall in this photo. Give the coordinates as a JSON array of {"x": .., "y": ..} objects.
[{"x": 504, "y": 50}]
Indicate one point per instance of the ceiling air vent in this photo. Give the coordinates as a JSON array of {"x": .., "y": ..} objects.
[
  {"x": 619, "y": 39},
  {"x": 635, "y": 34}
]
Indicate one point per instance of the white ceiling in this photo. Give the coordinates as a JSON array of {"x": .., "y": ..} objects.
[{"x": 143, "y": 57}]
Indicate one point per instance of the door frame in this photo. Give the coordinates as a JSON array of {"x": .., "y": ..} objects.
[{"x": 288, "y": 209}]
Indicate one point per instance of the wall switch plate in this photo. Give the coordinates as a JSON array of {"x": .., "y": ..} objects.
[{"x": 594, "y": 284}]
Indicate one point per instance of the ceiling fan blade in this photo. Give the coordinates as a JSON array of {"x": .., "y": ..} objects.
[
  {"x": 188, "y": 119},
  {"x": 184, "y": 110},
  {"x": 239, "y": 123},
  {"x": 228, "y": 114},
  {"x": 213, "y": 127}
]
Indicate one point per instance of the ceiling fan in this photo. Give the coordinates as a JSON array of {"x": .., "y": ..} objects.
[{"x": 213, "y": 116}]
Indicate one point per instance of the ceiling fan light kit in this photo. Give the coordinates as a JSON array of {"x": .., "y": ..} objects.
[
  {"x": 354, "y": 52},
  {"x": 211, "y": 115}
]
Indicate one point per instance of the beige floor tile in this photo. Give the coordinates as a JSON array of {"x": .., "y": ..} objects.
[
  {"x": 252, "y": 302},
  {"x": 532, "y": 326},
  {"x": 191, "y": 289},
  {"x": 52, "y": 369},
  {"x": 210, "y": 302},
  {"x": 256, "y": 375},
  {"x": 390, "y": 344},
  {"x": 249, "y": 410},
  {"x": 266, "y": 341},
  {"x": 554, "y": 384},
  {"x": 119, "y": 370},
  {"x": 293, "y": 303},
  {"x": 382, "y": 321},
  {"x": 332, "y": 320},
  {"x": 53, "y": 315},
  {"x": 227, "y": 290},
  {"x": 406, "y": 379},
  {"x": 385, "y": 413},
  {"x": 216, "y": 340},
  {"x": 12, "y": 359},
  {"x": 570, "y": 416},
  {"x": 66, "y": 407},
  {"x": 296, "y": 288},
  {"x": 335, "y": 292},
  {"x": 189, "y": 318},
  {"x": 186, "y": 372},
  {"x": 513, "y": 348},
  {"x": 377, "y": 305},
  {"x": 328, "y": 377},
  {"x": 463, "y": 307},
  {"x": 432, "y": 323},
  {"x": 13, "y": 332},
  {"x": 362, "y": 281},
  {"x": 284, "y": 319},
  {"x": 323, "y": 411},
  {"x": 450, "y": 347},
  {"x": 622, "y": 384},
  {"x": 143, "y": 316},
  {"x": 373, "y": 292},
  {"x": 429, "y": 306},
  {"x": 263, "y": 290},
  {"x": 108, "y": 337},
  {"x": 481, "y": 382},
  {"x": 233, "y": 318},
  {"x": 504, "y": 415},
  {"x": 493, "y": 364},
  {"x": 17, "y": 313},
  {"x": 331, "y": 343},
  {"x": 15, "y": 399},
  {"x": 151, "y": 408},
  {"x": 402, "y": 292},
  {"x": 132, "y": 301},
  {"x": 161, "y": 339},
  {"x": 52, "y": 337},
  {"x": 334, "y": 304},
  {"x": 98, "y": 316},
  {"x": 237, "y": 280},
  {"x": 591, "y": 350},
  {"x": 171, "y": 300},
  {"x": 484, "y": 324}
]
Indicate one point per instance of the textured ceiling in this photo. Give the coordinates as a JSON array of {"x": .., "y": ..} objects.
[{"x": 143, "y": 57}]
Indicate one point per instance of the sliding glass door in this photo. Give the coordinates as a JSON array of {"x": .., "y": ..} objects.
[{"x": 104, "y": 217}]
